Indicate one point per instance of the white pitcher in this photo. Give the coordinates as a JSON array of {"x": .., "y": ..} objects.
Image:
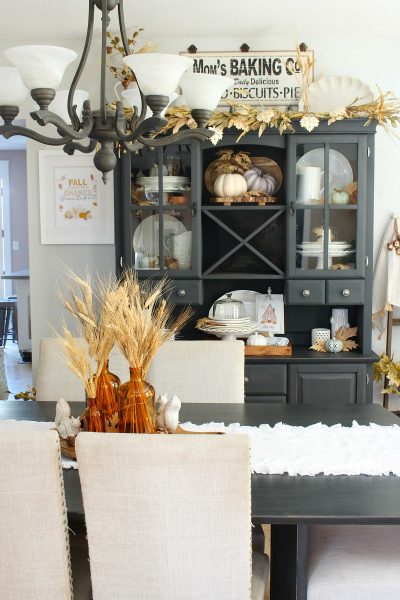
[{"x": 180, "y": 247}]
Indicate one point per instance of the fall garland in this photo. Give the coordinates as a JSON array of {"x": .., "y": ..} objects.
[{"x": 385, "y": 111}]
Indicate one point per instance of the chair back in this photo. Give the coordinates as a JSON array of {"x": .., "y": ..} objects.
[
  {"x": 54, "y": 378},
  {"x": 167, "y": 516},
  {"x": 35, "y": 561},
  {"x": 199, "y": 371}
]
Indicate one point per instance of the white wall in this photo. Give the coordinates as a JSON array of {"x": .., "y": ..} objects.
[{"x": 374, "y": 59}]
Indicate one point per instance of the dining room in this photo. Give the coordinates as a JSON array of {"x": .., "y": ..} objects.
[{"x": 211, "y": 307}]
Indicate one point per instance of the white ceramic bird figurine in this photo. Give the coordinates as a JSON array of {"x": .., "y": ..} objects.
[
  {"x": 162, "y": 401},
  {"x": 171, "y": 414}
]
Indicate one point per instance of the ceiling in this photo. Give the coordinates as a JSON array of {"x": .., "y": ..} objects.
[{"x": 204, "y": 19}]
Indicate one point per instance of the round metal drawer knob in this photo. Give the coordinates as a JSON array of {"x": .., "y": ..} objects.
[
  {"x": 306, "y": 293},
  {"x": 246, "y": 379},
  {"x": 346, "y": 293},
  {"x": 181, "y": 293}
]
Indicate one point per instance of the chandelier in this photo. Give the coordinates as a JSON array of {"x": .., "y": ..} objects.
[{"x": 40, "y": 69}]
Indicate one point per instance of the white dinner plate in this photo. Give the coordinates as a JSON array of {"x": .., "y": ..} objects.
[
  {"x": 330, "y": 93},
  {"x": 146, "y": 236},
  {"x": 340, "y": 171}
]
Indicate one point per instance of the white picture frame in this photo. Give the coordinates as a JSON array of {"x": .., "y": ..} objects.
[{"x": 76, "y": 207}]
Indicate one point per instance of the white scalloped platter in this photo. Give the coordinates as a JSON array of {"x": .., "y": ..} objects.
[{"x": 337, "y": 91}]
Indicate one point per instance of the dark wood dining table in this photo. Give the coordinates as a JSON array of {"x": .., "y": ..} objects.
[{"x": 290, "y": 504}]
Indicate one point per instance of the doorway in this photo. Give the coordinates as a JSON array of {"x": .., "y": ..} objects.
[{"x": 5, "y": 228}]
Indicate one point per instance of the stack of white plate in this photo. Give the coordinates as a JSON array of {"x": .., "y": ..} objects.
[
  {"x": 334, "y": 248},
  {"x": 229, "y": 328},
  {"x": 171, "y": 183}
]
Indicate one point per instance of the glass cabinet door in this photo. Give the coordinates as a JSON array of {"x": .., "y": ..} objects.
[
  {"x": 163, "y": 211},
  {"x": 327, "y": 206}
]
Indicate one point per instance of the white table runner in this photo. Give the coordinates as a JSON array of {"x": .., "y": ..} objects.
[{"x": 336, "y": 450}]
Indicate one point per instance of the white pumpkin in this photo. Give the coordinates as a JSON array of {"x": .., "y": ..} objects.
[
  {"x": 256, "y": 340},
  {"x": 230, "y": 184},
  {"x": 258, "y": 182}
]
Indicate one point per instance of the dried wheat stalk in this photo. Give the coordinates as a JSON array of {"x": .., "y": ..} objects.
[
  {"x": 141, "y": 318},
  {"x": 87, "y": 308}
]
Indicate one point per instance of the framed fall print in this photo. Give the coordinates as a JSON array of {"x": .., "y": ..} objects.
[{"x": 76, "y": 207}]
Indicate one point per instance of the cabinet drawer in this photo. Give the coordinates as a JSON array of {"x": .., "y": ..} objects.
[
  {"x": 187, "y": 291},
  {"x": 327, "y": 384},
  {"x": 264, "y": 380},
  {"x": 305, "y": 291},
  {"x": 345, "y": 292}
]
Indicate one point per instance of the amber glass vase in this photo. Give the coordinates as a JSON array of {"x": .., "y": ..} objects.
[
  {"x": 94, "y": 416},
  {"x": 107, "y": 397},
  {"x": 136, "y": 405}
]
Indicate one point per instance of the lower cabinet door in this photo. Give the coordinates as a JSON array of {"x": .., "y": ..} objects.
[{"x": 327, "y": 384}]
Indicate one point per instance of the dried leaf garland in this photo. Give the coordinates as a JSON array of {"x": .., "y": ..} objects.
[
  {"x": 319, "y": 346},
  {"x": 384, "y": 110},
  {"x": 389, "y": 370}
]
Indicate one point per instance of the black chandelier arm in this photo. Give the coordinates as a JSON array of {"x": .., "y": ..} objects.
[
  {"x": 152, "y": 124},
  {"x": 196, "y": 134},
  {"x": 70, "y": 147},
  {"x": 8, "y": 131},
  {"x": 122, "y": 27},
  {"x": 46, "y": 117},
  {"x": 88, "y": 41},
  {"x": 104, "y": 24}
]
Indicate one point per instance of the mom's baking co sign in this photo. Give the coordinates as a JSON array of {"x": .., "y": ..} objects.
[{"x": 260, "y": 77}]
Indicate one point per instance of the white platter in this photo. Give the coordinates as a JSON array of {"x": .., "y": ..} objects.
[
  {"x": 340, "y": 171},
  {"x": 146, "y": 236},
  {"x": 337, "y": 91}
]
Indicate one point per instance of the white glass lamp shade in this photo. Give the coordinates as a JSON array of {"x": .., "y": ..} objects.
[
  {"x": 40, "y": 66},
  {"x": 60, "y": 103},
  {"x": 204, "y": 91},
  {"x": 158, "y": 74},
  {"x": 132, "y": 97},
  {"x": 12, "y": 89}
]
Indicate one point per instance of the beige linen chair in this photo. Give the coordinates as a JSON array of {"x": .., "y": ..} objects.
[
  {"x": 35, "y": 558},
  {"x": 54, "y": 379},
  {"x": 199, "y": 371},
  {"x": 353, "y": 562},
  {"x": 169, "y": 517}
]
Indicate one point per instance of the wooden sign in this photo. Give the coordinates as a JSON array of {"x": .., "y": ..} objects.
[{"x": 263, "y": 78}]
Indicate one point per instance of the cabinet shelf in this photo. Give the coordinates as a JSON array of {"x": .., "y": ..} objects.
[
  {"x": 163, "y": 207},
  {"x": 247, "y": 276},
  {"x": 331, "y": 206},
  {"x": 213, "y": 207}
]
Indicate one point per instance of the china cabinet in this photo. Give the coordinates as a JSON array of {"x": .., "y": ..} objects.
[{"x": 312, "y": 243}]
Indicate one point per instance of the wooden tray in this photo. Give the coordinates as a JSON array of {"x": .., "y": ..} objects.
[
  {"x": 268, "y": 350},
  {"x": 261, "y": 199}
]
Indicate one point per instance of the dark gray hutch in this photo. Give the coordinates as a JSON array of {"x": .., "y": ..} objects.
[{"x": 247, "y": 246}]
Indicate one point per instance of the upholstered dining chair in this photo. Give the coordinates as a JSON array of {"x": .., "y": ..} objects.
[
  {"x": 353, "y": 562},
  {"x": 35, "y": 556},
  {"x": 54, "y": 379},
  {"x": 168, "y": 516},
  {"x": 199, "y": 371}
]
